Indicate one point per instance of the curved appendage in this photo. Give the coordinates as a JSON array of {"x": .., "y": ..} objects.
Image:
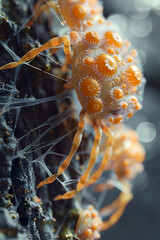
[
  {"x": 42, "y": 9},
  {"x": 118, "y": 207},
  {"x": 54, "y": 42},
  {"x": 84, "y": 177},
  {"x": 76, "y": 142},
  {"x": 108, "y": 153}
]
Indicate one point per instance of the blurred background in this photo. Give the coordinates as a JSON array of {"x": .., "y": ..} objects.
[{"x": 139, "y": 21}]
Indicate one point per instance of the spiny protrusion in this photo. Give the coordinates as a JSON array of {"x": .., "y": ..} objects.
[
  {"x": 92, "y": 38},
  {"x": 113, "y": 39},
  {"x": 89, "y": 87},
  {"x": 117, "y": 93},
  {"x": 106, "y": 65},
  {"x": 94, "y": 105},
  {"x": 133, "y": 75}
]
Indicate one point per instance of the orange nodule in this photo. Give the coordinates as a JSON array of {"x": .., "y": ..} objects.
[
  {"x": 94, "y": 11},
  {"x": 106, "y": 65},
  {"x": 133, "y": 75},
  {"x": 92, "y": 37},
  {"x": 127, "y": 172},
  {"x": 134, "y": 53},
  {"x": 117, "y": 93},
  {"x": 129, "y": 59},
  {"x": 125, "y": 163},
  {"x": 111, "y": 119},
  {"x": 94, "y": 214},
  {"x": 123, "y": 85},
  {"x": 113, "y": 38},
  {"x": 89, "y": 61},
  {"x": 130, "y": 113},
  {"x": 117, "y": 79},
  {"x": 88, "y": 232},
  {"x": 100, "y": 21},
  {"x": 111, "y": 51},
  {"x": 91, "y": 207},
  {"x": 79, "y": 11},
  {"x": 124, "y": 105},
  {"x": 138, "y": 106},
  {"x": 95, "y": 226},
  {"x": 118, "y": 119},
  {"x": 89, "y": 87},
  {"x": 94, "y": 105},
  {"x": 134, "y": 99},
  {"x": 89, "y": 23},
  {"x": 74, "y": 36}
]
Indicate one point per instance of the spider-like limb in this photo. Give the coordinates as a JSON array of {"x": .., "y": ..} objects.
[
  {"x": 54, "y": 42},
  {"x": 76, "y": 142},
  {"x": 93, "y": 157},
  {"x": 118, "y": 206},
  {"x": 108, "y": 153},
  {"x": 42, "y": 9}
]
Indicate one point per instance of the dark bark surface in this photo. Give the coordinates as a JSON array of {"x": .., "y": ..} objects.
[{"x": 29, "y": 136}]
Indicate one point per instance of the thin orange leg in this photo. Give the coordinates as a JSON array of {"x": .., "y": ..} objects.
[
  {"x": 76, "y": 142},
  {"x": 84, "y": 177},
  {"x": 54, "y": 42},
  {"x": 121, "y": 203},
  {"x": 108, "y": 153},
  {"x": 117, "y": 207},
  {"x": 42, "y": 9}
]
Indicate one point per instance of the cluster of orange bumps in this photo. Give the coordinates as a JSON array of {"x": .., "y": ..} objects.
[{"x": 109, "y": 86}]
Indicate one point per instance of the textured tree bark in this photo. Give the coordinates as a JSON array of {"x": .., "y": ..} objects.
[{"x": 24, "y": 212}]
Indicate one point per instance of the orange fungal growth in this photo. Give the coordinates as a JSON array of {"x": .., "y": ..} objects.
[
  {"x": 89, "y": 23},
  {"x": 118, "y": 93},
  {"x": 89, "y": 87},
  {"x": 106, "y": 65},
  {"x": 89, "y": 61},
  {"x": 128, "y": 153},
  {"x": 129, "y": 59},
  {"x": 130, "y": 113},
  {"x": 134, "y": 53},
  {"x": 111, "y": 51},
  {"x": 74, "y": 36},
  {"x": 134, "y": 99},
  {"x": 89, "y": 224},
  {"x": 118, "y": 119},
  {"x": 124, "y": 105},
  {"x": 138, "y": 106},
  {"x": 133, "y": 75},
  {"x": 92, "y": 38},
  {"x": 79, "y": 11},
  {"x": 94, "y": 105},
  {"x": 80, "y": 14},
  {"x": 113, "y": 39}
]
